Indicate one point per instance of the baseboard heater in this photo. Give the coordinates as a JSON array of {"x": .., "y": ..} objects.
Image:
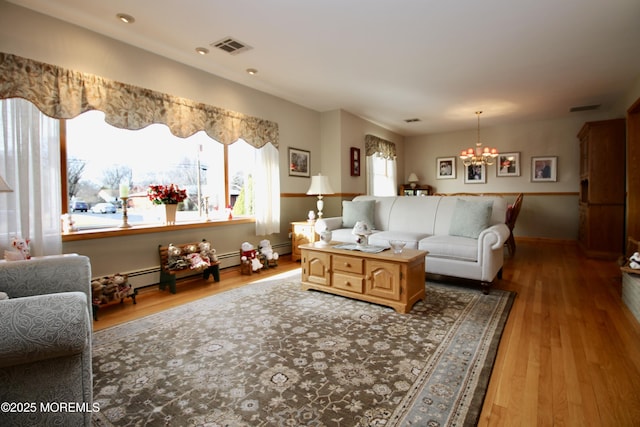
[{"x": 151, "y": 276}]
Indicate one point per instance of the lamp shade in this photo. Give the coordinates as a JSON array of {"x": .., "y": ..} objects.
[
  {"x": 4, "y": 187},
  {"x": 320, "y": 185},
  {"x": 413, "y": 177}
]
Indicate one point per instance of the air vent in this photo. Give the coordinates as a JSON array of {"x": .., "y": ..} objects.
[
  {"x": 231, "y": 46},
  {"x": 584, "y": 108},
  {"x": 412, "y": 120}
]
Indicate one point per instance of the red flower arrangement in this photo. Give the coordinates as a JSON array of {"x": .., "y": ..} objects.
[{"x": 166, "y": 194}]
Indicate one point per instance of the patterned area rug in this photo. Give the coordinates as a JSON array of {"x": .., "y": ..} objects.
[{"x": 270, "y": 354}]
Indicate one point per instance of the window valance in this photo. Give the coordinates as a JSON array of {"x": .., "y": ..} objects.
[
  {"x": 374, "y": 145},
  {"x": 64, "y": 94}
]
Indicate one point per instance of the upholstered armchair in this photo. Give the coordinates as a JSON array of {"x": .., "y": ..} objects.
[{"x": 45, "y": 342}]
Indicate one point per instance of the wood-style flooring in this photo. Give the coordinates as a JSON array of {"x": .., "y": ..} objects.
[{"x": 569, "y": 355}]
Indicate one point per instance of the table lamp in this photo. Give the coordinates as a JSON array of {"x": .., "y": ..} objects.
[
  {"x": 319, "y": 187},
  {"x": 413, "y": 180}
]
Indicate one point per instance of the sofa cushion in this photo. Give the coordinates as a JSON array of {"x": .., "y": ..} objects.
[
  {"x": 470, "y": 218},
  {"x": 453, "y": 247},
  {"x": 353, "y": 211}
]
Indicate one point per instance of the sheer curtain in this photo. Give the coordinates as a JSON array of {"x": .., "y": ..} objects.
[
  {"x": 267, "y": 191},
  {"x": 30, "y": 163}
]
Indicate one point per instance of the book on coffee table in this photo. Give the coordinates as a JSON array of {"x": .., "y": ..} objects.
[{"x": 370, "y": 249}]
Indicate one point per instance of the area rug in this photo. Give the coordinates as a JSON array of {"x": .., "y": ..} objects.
[{"x": 271, "y": 354}]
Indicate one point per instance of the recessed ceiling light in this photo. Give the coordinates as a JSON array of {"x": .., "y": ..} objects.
[
  {"x": 252, "y": 71},
  {"x": 202, "y": 50},
  {"x": 127, "y": 19}
]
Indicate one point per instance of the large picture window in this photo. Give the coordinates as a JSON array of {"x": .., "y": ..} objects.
[
  {"x": 101, "y": 157},
  {"x": 65, "y": 94}
]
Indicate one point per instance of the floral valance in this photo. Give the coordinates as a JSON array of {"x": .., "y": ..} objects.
[
  {"x": 64, "y": 94},
  {"x": 380, "y": 147}
]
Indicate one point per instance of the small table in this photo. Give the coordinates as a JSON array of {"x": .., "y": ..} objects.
[{"x": 394, "y": 280}]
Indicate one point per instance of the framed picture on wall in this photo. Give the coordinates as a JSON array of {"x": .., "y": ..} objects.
[
  {"x": 508, "y": 164},
  {"x": 355, "y": 161},
  {"x": 446, "y": 168},
  {"x": 544, "y": 169},
  {"x": 475, "y": 174},
  {"x": 299, "y": 162}
]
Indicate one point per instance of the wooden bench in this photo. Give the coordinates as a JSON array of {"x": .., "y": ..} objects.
[{"x": 168, "y": 272}]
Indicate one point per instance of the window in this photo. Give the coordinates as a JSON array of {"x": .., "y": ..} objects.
[
  {"x": 100, "y": 157},
  {"x": 381, "y": 177}
]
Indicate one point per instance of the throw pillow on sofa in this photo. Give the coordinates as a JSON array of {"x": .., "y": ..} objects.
[
  {"x": 470, "y": 218},
  {"x": 353, "y": 212}
]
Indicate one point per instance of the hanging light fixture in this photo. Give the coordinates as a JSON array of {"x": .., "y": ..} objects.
[{"x": 479, "y": 156}]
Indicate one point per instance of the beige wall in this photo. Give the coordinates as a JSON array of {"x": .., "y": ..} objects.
[{"x": 545, "y": 203}]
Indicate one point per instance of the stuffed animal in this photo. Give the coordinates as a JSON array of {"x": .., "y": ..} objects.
[
  {"x": 20, "y": 250},
  {"x": 207, "y": 252},
  {"x": 267, "y": 250},
  {"x": 68, "y": 223},
  {"x": 197, "y": 262},
  {"x": 634, "y": 261},
  {"x": 122, "y": 283},
  {"x": 97, "y": 297},
  {"x": 175, "y": 260},
  {"x": 249, "y": 254}
]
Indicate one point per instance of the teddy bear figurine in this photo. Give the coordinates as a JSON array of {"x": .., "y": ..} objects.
[
  {"x": 249, "y": 255},
  {"x": 207, "y": 252},
  {"x": 96, "y": 292},
  {"x": 175, "y": 260},
  {"x": 20, "y": 250},
  {"x": 269, "y": 255}
]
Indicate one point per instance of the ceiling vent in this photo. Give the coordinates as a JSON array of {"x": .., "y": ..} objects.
[
  {"x": 584, "y": 108},
  {"x": 412, "y": 120},
  {"x": 231, "y": 46}
]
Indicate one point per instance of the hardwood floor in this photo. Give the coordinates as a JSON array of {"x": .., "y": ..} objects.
[{"x": 569, "y": 355}]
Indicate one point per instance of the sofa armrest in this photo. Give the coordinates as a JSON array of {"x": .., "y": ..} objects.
[
  {"x": 333, "y": 223},
  {"x": 495, "y": 235},
  {"x": 46, "y": 275},
  {"x": 43, "y": 327}
]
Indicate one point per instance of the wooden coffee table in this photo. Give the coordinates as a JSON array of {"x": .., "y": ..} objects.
[{"x": 394, "y": 280}]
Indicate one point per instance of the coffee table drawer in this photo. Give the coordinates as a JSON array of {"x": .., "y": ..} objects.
[
  {"x": 348, "y": 282},
  {"x": 348, "y": 264}
]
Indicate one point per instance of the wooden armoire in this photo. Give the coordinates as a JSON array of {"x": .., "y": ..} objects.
[{"x": 602, "y": 188}]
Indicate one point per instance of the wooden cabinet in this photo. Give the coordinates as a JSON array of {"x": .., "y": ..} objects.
[
  {"x": 394, "y": 280},
  {"x": 602, "y": 188},
  {"x": 302, "y": 232},
  {"x": 418, "y": 190}
]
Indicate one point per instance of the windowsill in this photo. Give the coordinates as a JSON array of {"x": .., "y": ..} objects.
[{"x": 147, "y": 229}]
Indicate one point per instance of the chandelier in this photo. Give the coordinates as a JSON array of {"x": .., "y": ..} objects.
[{"x": 479, "y": 156}]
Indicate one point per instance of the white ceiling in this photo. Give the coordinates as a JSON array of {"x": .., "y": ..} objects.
[{"x": 391, "y": 60}]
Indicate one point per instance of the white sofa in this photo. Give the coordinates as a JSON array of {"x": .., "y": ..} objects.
[{"x": 464, "y": 235}]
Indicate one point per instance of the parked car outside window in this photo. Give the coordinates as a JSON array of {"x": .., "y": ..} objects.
[
  {"x": 79, "y": 205},
  {"x": 104, "y": 208}
]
